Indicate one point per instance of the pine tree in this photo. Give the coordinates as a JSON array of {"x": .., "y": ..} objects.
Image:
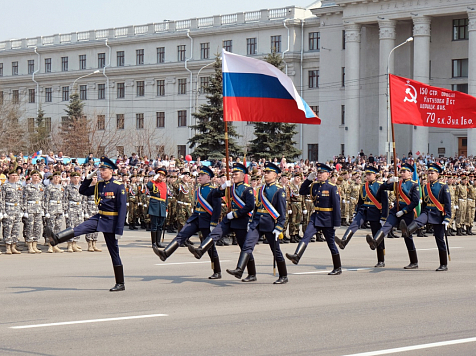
[
  {"x": 274, "y": 139},
  {"x": 209, "y": 142},
  {"x": 40, "y": 138}
]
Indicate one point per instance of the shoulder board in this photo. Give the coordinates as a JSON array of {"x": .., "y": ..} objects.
[
  {"x": 246, "y": 185},
  {"x": 379, "y": 182},
  {"x": 278, "y": 186},
  {"x": 117, "y": 182},
  {"x": 331, "y": 184},
  {"x": 414, "y": 181}
]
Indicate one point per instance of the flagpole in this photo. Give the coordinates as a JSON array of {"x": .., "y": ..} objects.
[{"x": 227, "y": 154}]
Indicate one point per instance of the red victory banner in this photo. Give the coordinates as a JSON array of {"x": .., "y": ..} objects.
[{"x": 415, "y": 103}]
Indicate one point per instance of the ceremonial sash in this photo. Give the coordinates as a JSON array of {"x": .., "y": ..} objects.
[
  {"x": 131, "y": 192},
  {"x": 266, "y": 203},
  {"x": 435, "y": 201},
  {"x": 204, "y": 203},
  {"x": 371, "y": 196},
  {"x": 402, "y": 194},
  {"x": 183, "y": 190},
  {"x": 237, "y": 199}
]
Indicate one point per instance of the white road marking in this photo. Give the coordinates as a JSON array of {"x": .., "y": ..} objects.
[
  {"x": 186, "y": 263},
  {"x": 434, "y": 248},
  {"x": 87, "y": 321},
  {"x": 345, "y": 269},
  {"x": 416, "y": 347}
]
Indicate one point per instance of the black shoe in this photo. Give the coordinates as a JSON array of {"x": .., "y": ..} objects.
[
  {"x": 285, "y": 240},
  {"x": 119, "y": 275},
  {"x": 250, "y": 278},
  {"x": 443, "y": 261},
  {"x": 442, "y": 268},
  {"x": 320, "y": 238},
  {"x": 411, "y": 266},
  {"x": 335, "y": 272},
  {"x": 337, "y": 266},
  {"x": 216, "y": 275},
  {"x": 380, "y": 264},
  {"x": 413, "y": 260},
  {"x": 371, "y": 242},
  {"x": 118, "y": 287},
  {"x": 281, "y": 280}
]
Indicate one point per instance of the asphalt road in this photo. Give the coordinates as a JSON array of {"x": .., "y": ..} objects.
[{"x": 171, "y": 308}]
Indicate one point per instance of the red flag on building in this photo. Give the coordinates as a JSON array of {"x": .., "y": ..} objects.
[{"x": 415, "y": 103}]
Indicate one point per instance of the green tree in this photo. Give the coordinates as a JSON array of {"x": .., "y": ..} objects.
[
  {"x": 209, "y": 141},
  {"x": 274, "y": 139},
  {"x": 75, "y": 130},
  {"x": 40, "y": 138}
]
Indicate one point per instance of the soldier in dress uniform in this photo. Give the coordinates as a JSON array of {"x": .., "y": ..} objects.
[
  {"x": 461, "y": 205},
  {"x": 54, "y": 208},
  {"x": 436, "y": 210},
  {"x": 297, "y": 207},
  {"x": 408, "y": 199},
  {"x": 33, "y": 210},
  {"x": 157, "y": 209},
  {"x": 268, "y": 219},
  {"x": 91, "y": 209},
  {"x": 11, "y": 197},
  {"x": 204, "y": 219},
  {"x": 326, "y": 215},
  {"x": 145, "y": 199},
  {"x": 74, "y": 209},
  {"x": 470, "y": 205},
  {"x": 133, "y": 203},
  {"x": 372, "y": 206},
  {"x": 237, "y": 220},
  {"x": 110, "y": 197}
]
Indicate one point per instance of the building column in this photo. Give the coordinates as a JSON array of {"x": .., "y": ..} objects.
[
  {"x": 387, "y": 42},
  {"x": 421, "y": 73},
  {"x": 352, "y": 89},
  {"x": 472, "y": 75}
]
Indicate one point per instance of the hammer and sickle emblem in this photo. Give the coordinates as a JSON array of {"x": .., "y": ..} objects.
[{"x": 412, "y": 93}]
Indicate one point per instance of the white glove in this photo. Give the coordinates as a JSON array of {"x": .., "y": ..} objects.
[
  {"x": 230, "y": 216},
  {"x": 276, "y": 234},
  {"x": 156, "y": 176},
  {"x": 82, "y": 215},
  {"x": 127, "y": 204},
  {"x": 248, "y": 227},
  {"x": 1, "y": 216},
  {"x": 212, "y": 227},
  {"x": 393, "y": 180},
  {"x": 42, "y": 213},
  {"x": 312, "y": 176},
  {"x": 290, "y": 212},
  {"x": 421, "y": 201},
  {"x": 446, "y": 224},
  {"x": 118, "y": 236},
  {"x": 166, "y": 213},
  {"x": 65, "y": 215},
  {"x": 86, "y": 216},
  {"x": 90, "y": 175},
  {"x": 180, "y": 176},
  {"x": 140, "y": 204},
  {"x": 5, "y": 216},
  {"x": 226, "y": 184},
  {"x": 382, "y": 222},
  {"x": 47, "y": 215},
  {"x": 399, "y": 213},
  {"x": 25, "y": 215},
  {"x": 304, "y": 212},
  {"x": 456, "y": 207},
  {"x": 195, "y": 173}
]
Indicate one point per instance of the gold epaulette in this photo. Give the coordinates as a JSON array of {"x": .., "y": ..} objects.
[
  {"x": 279, "y": 186},
  {"x": 246, "y": 185},
  {"x": 332, "y": 184},
  {"x": 413, "y": 181},
  {"x": 117, "y": 182},
  {"x": 379, "y": 182}
]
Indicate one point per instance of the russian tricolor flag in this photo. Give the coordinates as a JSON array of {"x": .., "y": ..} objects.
[
  {"x": 254, "y": 90},
  {"x": 38, "y": 153}
]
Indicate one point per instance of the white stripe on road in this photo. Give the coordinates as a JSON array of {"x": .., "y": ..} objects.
[
  {"x": 434, "y": 248},
  {"x": 87, "y": 321},
  {"x": 416, "y": 347},
  {"x": 347, "y": 269},
  {"x": 186, "y": 263}
]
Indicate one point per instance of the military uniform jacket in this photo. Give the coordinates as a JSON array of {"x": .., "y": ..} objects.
[
  {"x": 53, "y": 199},
  {"x": 33, "y": 198},
  {"x": 11, "y": 198},
  {"x": 442, "y": 193},
  {"x": 205, "y": 219},
  {"x": 241, "y": 213},
  {"x": 326, "y": 201},
  {"x": 111, "y": 200},
  {"x": 183, "y": 191},
  {"x": 411, "y": 199},
  {"x": 158, "y": 200},
  {"x": 133, "y": 193},
  {"x": 262, "y": 219},
  {"x": 365, "y": 203},
  {"x": 72, "y": 199}
]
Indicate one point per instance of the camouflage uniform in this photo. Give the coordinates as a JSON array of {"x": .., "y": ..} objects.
[
  {"x": 461, "y": 201},
  {"x": 133, "y": 201},
  {"x": 184, "y": 193},
  {"x": 11, "y": 196},
  {"x": 90, "y": 209},
  {"x": 144, "y": 198},
  {"x": 296, "y": 205},
  {"x": 346, "y": 191},
  {"x": 470, "y": 208},
  {"x": 53, "y": 203},
  {"x": 33, "y": 195},
  {"x": 288, "y": 210},
  {"x": 354, "y": 196},
  {"x": 452, "y": 189},
  {"x": 171, "y": 219},
  {"x": 74, "y": 207},
  {"x": 309, "y": 207}
]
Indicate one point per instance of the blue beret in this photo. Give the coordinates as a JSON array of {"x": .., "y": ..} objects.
[{"x": 268, "y": 166}]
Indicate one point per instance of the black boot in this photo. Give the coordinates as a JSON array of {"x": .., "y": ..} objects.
[
  {"x": 373, "y": 243},
  {"x": 119, "y": 274},
  {"x": 158, "y": 239},
  {"x": 408, "y": 230},
  {"x": 60, "y": 237},
  {"x": 449, "y": 232},
  {"x": 313, "y": 238},
  {"x": 468, "y": 231},
  {"x": 471, "y": 230},
  {"x": 216, "y": 269},
  {"x": 283, "y": 273},
  {"x": 234, "y": 241},
  {"x": 240, "y": 267},
  {"x": 251, "y": 272},
  {"x": 320, "y": 238},
  {"x": 142, "y": 224},
  {"x": 200, "y": 250},
  {"x": 459, "y": 232},
  {"x": 345, "y": 239},
  {"x": 420, "y": 233},
  {"x": 153, "y": 237},
  {"x": 147, "y": 227},
  {"x": 380, "y": 258},
  {"x": 132, "y": 226},
  {"x": 337, "y": 266},
  {"x": 443, "y": 261},
  {"x": 413, "y": 260},
  {"x": 301, "y": 247},
  {"x": 164, "y": 254}
]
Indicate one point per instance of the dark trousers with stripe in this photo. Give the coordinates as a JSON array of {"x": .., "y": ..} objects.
[
  {"x": 252, "y": 238},
  {"x": 439, "y": 230},
  {"x": 328, "y": 232},
  {"x": 189, "y": 230},
  {"x": 393, "y": 221},
  {"x": 375, "y": 226}
]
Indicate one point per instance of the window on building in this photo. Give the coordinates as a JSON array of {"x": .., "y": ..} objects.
[
  {"x": 315, "y": 109},
  {"x": 460, "y": 68},
  {"x": 15, "y": 96},
  {"x": 205, "y": 50},
  {"x": 314, "y": 41},
  {"x": 101, "y": 91},
  {"x": 101, "y": 122},
  {"x": 204, "y": 83},
  {"x": 342, "y": 114},
  {"x": 313, "y": 152},
  {"x": 275, "y": 44},
  {"x": 101, "y": 60},
  {"x": 160, "y": 119},
  {"x": 139, "y": 121},
  {"x": 460, "y": 29},
  {"x": 120, "y": 58},
  {"x": 120, "y": 150},
  {"x": 181, "y": 49},
  {"x": 160, "y": 54},
  {"x": 314, "y": 78},
  {"x": 47, "y": 121},
  {"x": 31, "y": 95},
  {"x": 251, "y": 46},
  {"x": 139, "y": 57},
  {"x": 182, "y": 86},
  {"x": 31, "y": 66},
  {"x": 31, "y": 124},
  {"x": 48, "y": 95},
  {"x": 82, "y": 61},
  {"x": 228, "y": 45},
  {"x": 65, "y": 93},
  {"x": 182, "y": 118},
  {"x": 343, "y": 39},
  {"x": 64, "y": 64},
  {"x": 15, "y": 68},
  {"x": 1, "y": 69},
  {"x": 121, "y": 92},
  {"x": 161, "y": 87},
  {"x": 120, "y": 121},
  {"x": 140, "y": 88},
  {"x": 463, "y": 88},
  {"x": 342, "y": 76},
  {"x": 181, "y": 150},
  {"x": 83, "y": 92},
  {"x": 47, "y": 65}
]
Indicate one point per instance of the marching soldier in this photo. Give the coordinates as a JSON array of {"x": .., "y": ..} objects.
[
  {"x": 91, "y": 209},
  {"x": 306, "y": 214},
  {"x": 74, "y": 208},
  {"x": 11, "y": 196},
  {"x": 461, "y": 201},
  {"x": 54, "y": 208},
  {"x": 110, "y": 197},
  {"x": 326, "y": 215},
  {"x": 183, "y": 190},
  {"x": 408, "y": 199},
  {"x": 133, "y": 203},
  {"x": 470, "y": 206},
  {"x": 157, "y": 206},
  {"x": 296, "y": 208},
  {"x": 355, "y": 192},
  {"x": 33, "y": 211}
]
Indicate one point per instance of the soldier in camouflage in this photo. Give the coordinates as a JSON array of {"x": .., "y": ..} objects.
[
  {"x": 452, "y": 188},
  {"x": 33, "y": 211},
  {"x": 183, "y": 190},
  {"x": 11, "y": 195},
  {"x": 144, "y": 201},
  {"x": 74, "y": 209},
  {"x": 297, "y": 207},
  {"x": 91, "y": 209},
  {"x": 133, "y": 203},
  {"x": 54, "y": 210}
]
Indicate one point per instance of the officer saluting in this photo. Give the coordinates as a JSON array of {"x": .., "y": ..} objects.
[
  {"x": 110, "y": 196},
  {"x": 436, "y": 210},
  {"x": 326, "y": 216}
]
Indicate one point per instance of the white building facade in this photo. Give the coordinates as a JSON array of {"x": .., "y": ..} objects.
[{"x": 140, "y": 84}]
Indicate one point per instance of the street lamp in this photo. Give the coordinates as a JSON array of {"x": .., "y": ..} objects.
[
  {"x": 84, "y": 76},
  {"x": 198, "y": 82},
  {"x": 390, "y": 138}
]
